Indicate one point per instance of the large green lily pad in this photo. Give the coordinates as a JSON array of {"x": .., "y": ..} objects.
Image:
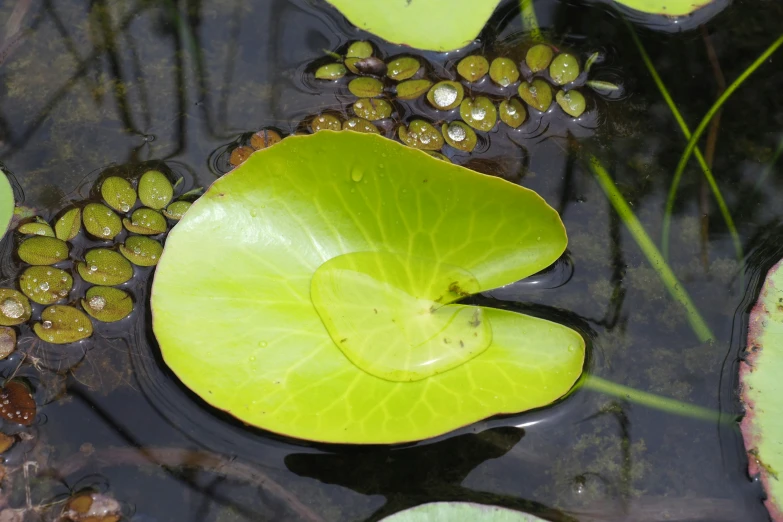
[
  {"x": 762, "y": 390},
  {"x": 434, "y": 25},
  {"x": 311, "y": 292},
  {"x": 460, "y": 512}
]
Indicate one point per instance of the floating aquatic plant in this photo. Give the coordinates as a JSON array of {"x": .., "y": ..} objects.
[
  {"x": 454, "y": 511},
  {"x": 326, "y": 304},
  {"x": 6, "y": 203}
]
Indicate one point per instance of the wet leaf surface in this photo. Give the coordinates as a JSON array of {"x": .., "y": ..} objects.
[
  {"x": 107, "y": 304},
  {"x": 68, "y": 225},
  {"x": 118, "y": 193},
  {"x": 105, "y": 267},
  {"x": 141, "y": 251},
  {"x": 14, "y": 307},
  {"x": 155, "y": 190},
  {"x": 45, "y": 285},
  {"x": 62, "y": 324},
  {"x": 101, "y": 221},
  {"x": 17, "y": 403},
  {"x": 41, "y": 250}
]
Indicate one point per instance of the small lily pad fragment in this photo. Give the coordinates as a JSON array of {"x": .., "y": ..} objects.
[
  {"x": 101, "y": 221},
  {"x": 539, "y": 57},
  {"x": 537, "y": 94},
  {"x": 62, "y": 324},
  {"x": 412, "y": 89},
  {"x": 141, "y": 251},
  {"x": 36, "y": 228},
  {"x": 459, "y": 135},
  {"x": 264, "y": 138},
  {"x": 360, "y": 49},
  {"x": 350, "y": 64},
  {"x": 503, "y": 71},
  {"x": 118, "y": 193},
  {"x": 332, "y": 71},
  {"x": 7, "y": 342},
  {"x": 421, "y": 135},
  {"x": 17, "y": 403},
  {"x": 107, "y": 304},
  {"x": 360, "y": 125},
  {"x": 45, "y": 284},
  {"x": 325, "y": 122},
  {"x": 473, "y": 68},
  {"x": 512, "y": 112},
  {"x": 177, "y": 209},
  {"x": 572, "y": 102},
  {"x": 372, "y": 109},
  {"x": 402, "y": 68},
  {"x": 69, "y": 224},
  {"x": 145, "y": 221},
  {"x": 601, "y": 86},
  {"x": 564, "y": 69},
  {"x": 14, "y": 307},
  {"x": 479, "y": 113},
  {"x": 365, "y": 87},
  {"x": 155, "y": 190},
  {"x": 105, "y": 267},
  {"x": 445, "y": 95},
  {"x": 239, "y": 155},
  {"x": 42, "y": 250}
]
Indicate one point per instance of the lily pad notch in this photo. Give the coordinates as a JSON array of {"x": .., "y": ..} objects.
[{"x": 327, "y": 305}]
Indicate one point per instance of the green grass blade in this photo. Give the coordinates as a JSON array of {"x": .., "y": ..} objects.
[
  {"x": 649, "y": 249},
  {"x": 700, "y": 130},
  {"x": 530, "y": 20},
  {"x": 724, "y": 209}
]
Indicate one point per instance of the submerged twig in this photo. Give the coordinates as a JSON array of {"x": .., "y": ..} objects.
[{"x": 649, "y": 249}]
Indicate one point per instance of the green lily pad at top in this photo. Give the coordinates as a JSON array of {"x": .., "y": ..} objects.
[
  {"x": 761, "y": 390},
  {"x": 6, "y": 204},
  {"x": 333, "y": 267},
  {"x": 460, "y": 512},
  {"x": 665, "y": 7},
  {"x": 433, "y": 25}
]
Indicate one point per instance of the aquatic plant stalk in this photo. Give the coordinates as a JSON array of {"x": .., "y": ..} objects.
[
  {"x": 724, "y": 210},
  {"x": 649, "y": 249},
  {"x": 651, "y": 400},
  {"x": 530, "y": 20},
  {"x": 700, "y": 130}
]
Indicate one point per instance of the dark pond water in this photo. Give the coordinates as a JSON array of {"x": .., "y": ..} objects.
[{"x": 96, "y": 84}]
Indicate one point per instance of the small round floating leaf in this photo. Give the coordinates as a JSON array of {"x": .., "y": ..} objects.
[
  {"x": 36, "y": 228},
  {"x": 42, "y": 250},
  {"x": 539, "y": 57},
  {"x": 564, "y": 69},
  {"x": 479, "y": 113},
  {"x": 264, "y": 138},
  {"x": 107, "y": 304},
  {"x": 325, "y": 122},
  {"x": 360, "y": 49},
  {"x": 350, "y": 64},
  {"x": 332, "y": 71},
  {"x": 146, "y": 221},
  {"x": 155, "y": 190},
  {"x": 460, "y": 511},
  {"x": 537, "y": 94},
  {"x": 365, "y": 87},
  {"x": 512, "y": 112},
  {"x": 239, "y": 155},
  {"x": 372, "y": 109},
  {"x": 264, "y": 269},
  {"x": 17, "y": 403},
  {"x": 503, "y": 72},
  {"x": 105, "y": 267},
  {"x": 69, "y": 224},
  {"x": 572, "y": 102},
  {"x": 412, "y": 89},
  {"x": 14, "y": 307},
  {"x": 118, "y": 193},
  {"x": 177, "y": 209},
  {"x": 141, "y": 251},
  {"x": 602, "y": 87},
  {"x": 62, "y": 324},
  {"x": 421, "y": 135},
  {"x": 445, "y": 95},
  {"x": 7, "y": 341},
  {"x": 459, "y": 135},
  {"x": 402, "y": 68},
  {"x": 101, "y": 221},
  {"x": 45, "y": 285},
  {"x": 473, "y": 68},
  {"x": 360, "y": 125}
]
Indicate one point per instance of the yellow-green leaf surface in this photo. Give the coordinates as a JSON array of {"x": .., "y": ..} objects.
[
  {"x": 435, "y": 25},
  {"x": 6, "y": 204},
  {"x": 762, "y": 388},
  {"x": 460, "y": 512},
  {"x": 307, "y": 240},
  {"x": 665, "y": 7}
]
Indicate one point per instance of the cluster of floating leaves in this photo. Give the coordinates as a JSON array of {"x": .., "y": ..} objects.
[{"x": 479, "y": 96}]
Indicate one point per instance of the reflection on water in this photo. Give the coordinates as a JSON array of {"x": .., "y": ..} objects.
[{"x": 88, "y": 85}]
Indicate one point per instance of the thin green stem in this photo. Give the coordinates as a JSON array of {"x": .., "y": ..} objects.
[
  {"x": 724, "y": 209},
  {"x": 649, "y": 249},
  {"x": 597, "y": 384},
  {"x": 700, "y": 130},
  {"x": 530, "y": 21}
]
